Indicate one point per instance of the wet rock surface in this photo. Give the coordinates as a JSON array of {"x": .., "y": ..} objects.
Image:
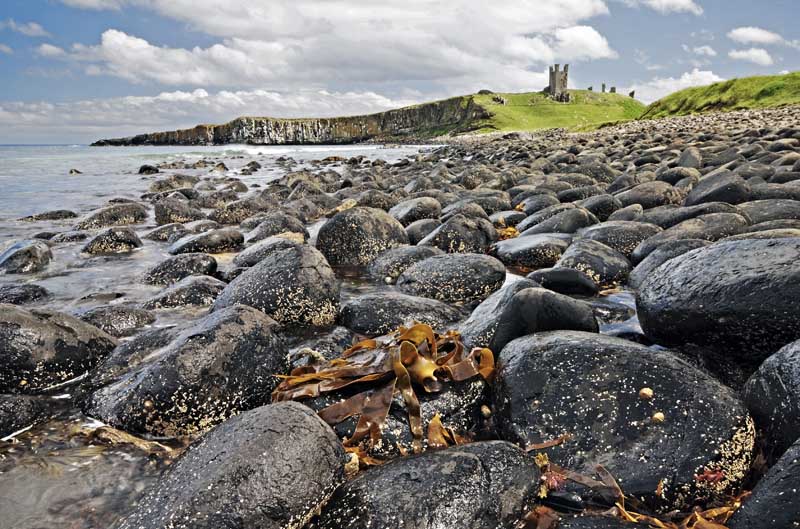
[
  {"x": 741, "y": 296},
  {"x": 774, "y": 500},
  {"x": 293, "y": 285},
  {"x": 246, "y": 473},
  {"x": 453, "y": 277},
  {"x": 112, "y": 241},
  {"x": 381, "y": 313},
  {"x": 173, "y": 269},
  {"x": 213, "y": 241},
  {"x": 486, "y": 485},
  {"x": 222, "y": 365},
  {"x": 589, "y": 386},
  {"x": 118, "y": 320},
  {"x": 25, "y": 257},
  {"x": 197, "y": 291},
  {"x": 42, "y": 348},
  {"x": 356, "y": 236},
  {"x": 773, "y": 397},
  {"x": 22, "y": 294},
  {"x": 20, "y": 411}
]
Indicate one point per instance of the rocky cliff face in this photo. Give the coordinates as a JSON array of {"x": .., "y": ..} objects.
[{"x": 427, "y": 120}]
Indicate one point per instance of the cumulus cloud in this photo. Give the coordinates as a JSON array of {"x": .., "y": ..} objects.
[
  {"x": 48, "y": 50},
  {"x": 668, "y": 6},
  {"x": 707, "y": 51},
  {"x": 758, "y": 56},
  {"x": 582, "y": 43},
  {"x": 312, "y": 44},
  {"x": 29, "y": 29},
  {"x": 754, "y": 35},
  {"x": 89, "y": 120},
  {"x": 5, "y": 49},
  {"x": 662, "y": 86}
]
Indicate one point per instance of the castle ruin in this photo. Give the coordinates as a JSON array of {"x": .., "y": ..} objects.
[
  {"x": 559, "y": 79},
  {"x": 558, "y": 83}
]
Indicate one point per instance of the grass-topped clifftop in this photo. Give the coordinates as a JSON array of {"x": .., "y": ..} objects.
[
  {"x": 726, "y": 96},
  {"x": 535, "y": 111}
]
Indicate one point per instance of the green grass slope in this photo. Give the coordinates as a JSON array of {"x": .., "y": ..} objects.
[
  {"x": 535, "y": 111},
  {"x": 736, "y": 94}
]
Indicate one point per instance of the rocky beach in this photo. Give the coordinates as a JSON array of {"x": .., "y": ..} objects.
[{"x": 531, "y": 330}]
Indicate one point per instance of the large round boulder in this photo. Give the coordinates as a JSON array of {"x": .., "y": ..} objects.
[
  {"x": 460, "y": 234},
  {"x": 116, "y": 215},
  {"x": 454, "y": 277},
  {"x": 112, "y": 241},
  {"x": 650, "y": 195},
  {"x": 271, "y": 467},
  {"x": 383, "y": 312},
  {"x": 354, "y": 237},
  {"x": 118, "y": 320},
  {"x": 773, "y": 397},
  {"x": 740, "y": 297},
  {"x": 223, "y": 364},
  {"x": 416, "y": 209},
  {"x": 254, "y": 254},
  {"x": 519, "y": 309},
  {"x": 722, "y": 187},
  {"x": 173, "y": 269},
  {"x": 191, "y": 291},
  {"x": 623, "y": 236},
  {"x": 25, "y": 257},
  {"x": 773, "y": 502},
  {"x": 602, "y": 264},
  {"x": 22, "y": 294},
  {"x": 390, "y": 264},
  {"x": 667, "y": 251},
  {"x": 42, "y": 348},
  {"x": 294, "y": 285},
  {"x": 650, "y": 418},
  {"x": 278, "y": 223},
  {"x": 481, "y": 486},
  {"x": 711, "y": 227},
  {"x": 213, "y": 241},
  {"x": 173, "y": 210},
  {"x": 532, "y": 251}
]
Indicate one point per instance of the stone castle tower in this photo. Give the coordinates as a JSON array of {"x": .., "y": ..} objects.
[{"x": 558, "y": 83}]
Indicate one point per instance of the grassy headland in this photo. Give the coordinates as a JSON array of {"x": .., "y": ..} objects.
[
  {"x": 736, "y": 94},
  {"x": 535, "y": 111}
]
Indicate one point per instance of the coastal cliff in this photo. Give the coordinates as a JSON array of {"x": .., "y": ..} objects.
[{"x": 426, "y": 120}]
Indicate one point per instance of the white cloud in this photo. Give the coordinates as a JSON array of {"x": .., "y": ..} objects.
[
  {"x": 754, "y": 35},
  {"x": 48, "y": 50},
  {"x": 662, "y": 86},
  {"x": 668, "y": 6},
  {"x": 784, "y": 72},
  {"x": 312, "y": 44},
  {"x": 758, "y": 56},
  {"x": 582, "y": 43},
  {"x": 101, "y": 118},
  {"x": 29, "y": 29},
  {"x": 707, "y": 51},
  {"x": 5, "y": 49}
]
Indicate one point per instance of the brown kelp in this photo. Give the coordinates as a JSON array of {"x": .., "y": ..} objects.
[{"x": 409, "y": 360}]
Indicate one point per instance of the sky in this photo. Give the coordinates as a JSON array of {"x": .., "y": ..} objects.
[{"x": 74, "y": 71}]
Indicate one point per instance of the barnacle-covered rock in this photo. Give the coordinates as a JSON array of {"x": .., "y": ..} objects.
[
  {"x": 693, "y": 440},
  {"x": 220, "y": 366},
  {"x": 294, "y": 285},
  {"x": 271, "y": 467}
]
